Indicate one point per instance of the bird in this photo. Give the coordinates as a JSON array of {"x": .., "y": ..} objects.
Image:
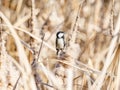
[{"x": 60, "y": 43}]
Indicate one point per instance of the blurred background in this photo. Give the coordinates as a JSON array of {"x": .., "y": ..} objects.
[{"x": 37, "y": 21}]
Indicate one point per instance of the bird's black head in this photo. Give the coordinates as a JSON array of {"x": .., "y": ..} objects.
[{"x": 60, "y": 34}]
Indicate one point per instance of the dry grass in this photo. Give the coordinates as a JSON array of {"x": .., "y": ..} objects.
[{"x": 28, "y": 58}]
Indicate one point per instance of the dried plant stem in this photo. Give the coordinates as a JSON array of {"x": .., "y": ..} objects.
[
  {"x": 22, "y": 56},
  {"x": 98, "y": 83},
  {"x": 38, "y": 39},
  {"x": 40, "y": 48},
  {"x": 71, "y": 44},
  {"x": 73, "y": 32},
  {"x": 118, "y": 71},
  {"x": 33, "y": 36},
  {"x": 16, "y": 82},
  {"x": 33, "y": 18}
]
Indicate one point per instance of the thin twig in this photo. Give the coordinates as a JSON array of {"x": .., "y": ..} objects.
[
  {"x": 47, "y": 85},
  {"x": 33, "y": 36},
  {"x": 40, "y": 46},
  {"x": 16, "y": 82},
  {"x": 73, "y": 32}
]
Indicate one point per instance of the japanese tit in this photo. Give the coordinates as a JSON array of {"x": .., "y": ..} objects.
[{"x": 60, "y": 43}]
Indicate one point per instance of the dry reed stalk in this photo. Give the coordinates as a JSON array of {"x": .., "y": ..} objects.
[
  {"x": 7, "y": 67},
  {"x": 35, "y": 46},
  {"x": 22, "y": 20},
  {"x": 37, "y": 64},
  {"x": 36, "y": 38},
  {"x": 33, "y": 36},
  {"x": 22, "y": 56},
  {"x": 72, "y": 49},
  {"x": 19, "y": 6},
  {"x": 3, "y": 61},
  {"x": 112, "y": 48},
  {"x": 118, "y": 71},
  {"x": 64, "y": 71}
]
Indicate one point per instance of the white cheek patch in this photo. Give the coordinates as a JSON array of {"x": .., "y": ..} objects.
[{"x": 60, "y": 35}]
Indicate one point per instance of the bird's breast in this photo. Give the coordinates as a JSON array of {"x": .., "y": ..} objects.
[{"x": 60, "y": 43}]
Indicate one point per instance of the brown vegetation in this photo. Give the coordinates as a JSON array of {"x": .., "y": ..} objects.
[{"x": 28, "y": 58}]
